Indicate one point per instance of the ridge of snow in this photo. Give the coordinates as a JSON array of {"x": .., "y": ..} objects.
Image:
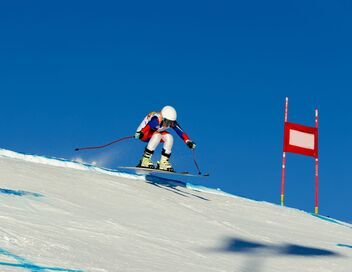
[
  {"x": 60, "y": 162},
  {"x": 65, "y": 163}
]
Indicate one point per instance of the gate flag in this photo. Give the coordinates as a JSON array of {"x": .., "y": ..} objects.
[{"x": 301, "y": 139}]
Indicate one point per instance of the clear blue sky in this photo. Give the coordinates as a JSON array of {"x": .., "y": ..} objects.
[{"x": 77, "y": 73}]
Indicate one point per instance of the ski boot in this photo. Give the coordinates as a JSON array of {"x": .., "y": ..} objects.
[
  {"x": 164, "y": 163},
  {"x": 146, "y": 160}
]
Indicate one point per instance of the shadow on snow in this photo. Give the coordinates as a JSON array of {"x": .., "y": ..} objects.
[
  {"x": 257, "y": 253},
  {"x": 236, "y": 245},
  {"x": 172, "y": 186}
]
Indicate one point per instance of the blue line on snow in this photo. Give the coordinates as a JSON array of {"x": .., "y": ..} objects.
[
  {"x": 328, "y": 219},
  {"x": 343, "y": 245},
  {"x": 23, "y": 263},
  {"x": 18, "y": 193}
]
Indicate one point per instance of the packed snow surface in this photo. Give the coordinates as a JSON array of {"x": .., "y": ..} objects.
[{"x": 57, "y": 215}]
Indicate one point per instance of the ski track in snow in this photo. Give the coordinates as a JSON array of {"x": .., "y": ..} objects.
[{"x": 59, "y": 215}]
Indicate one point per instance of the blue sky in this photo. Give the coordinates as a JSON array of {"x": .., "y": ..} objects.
[{"x": 78, "y": 73}]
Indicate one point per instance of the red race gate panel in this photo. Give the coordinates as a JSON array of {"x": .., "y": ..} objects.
[{"x": 301, "y": 139}]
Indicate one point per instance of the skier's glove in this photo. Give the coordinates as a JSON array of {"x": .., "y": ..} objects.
[
  {"x": 190, "y": 144},
  {"x": 138, "y": 135}
]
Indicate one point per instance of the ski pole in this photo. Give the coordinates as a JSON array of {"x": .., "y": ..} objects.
[
  {"x": 196, "y": 164},
  {"x": 105, "y": 145}
]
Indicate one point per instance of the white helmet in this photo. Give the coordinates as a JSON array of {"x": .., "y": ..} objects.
[{"x": 169, "y": 113}]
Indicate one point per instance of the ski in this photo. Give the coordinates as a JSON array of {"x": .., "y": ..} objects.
[{"x": 151, "y": 171}]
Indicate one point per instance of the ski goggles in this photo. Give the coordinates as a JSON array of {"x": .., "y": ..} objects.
[{"x": 167, "y": 122}]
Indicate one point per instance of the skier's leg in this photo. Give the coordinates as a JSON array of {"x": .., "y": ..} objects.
[
  {"x": 168, "y": 140},
  {"x": 164, "y": 163},
  {"x": 153, "y": 141}
]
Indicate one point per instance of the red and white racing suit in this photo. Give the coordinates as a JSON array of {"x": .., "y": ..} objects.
[{"x": 153, "y": 131}]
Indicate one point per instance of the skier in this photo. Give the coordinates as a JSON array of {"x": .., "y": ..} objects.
[{"x": 153, "y": 131}]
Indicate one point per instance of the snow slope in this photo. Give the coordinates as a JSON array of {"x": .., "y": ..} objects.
[{"x": 57, "y": 215}]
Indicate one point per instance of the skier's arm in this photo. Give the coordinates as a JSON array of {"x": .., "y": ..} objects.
[
  {"x": 151, "y": 125},
  {"x": 183, "y": 135}
]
